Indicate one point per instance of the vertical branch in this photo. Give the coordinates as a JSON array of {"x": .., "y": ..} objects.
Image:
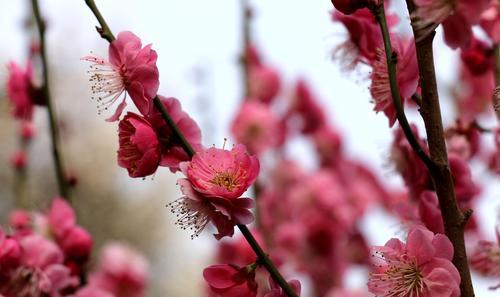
[
  {"x": 454, "y": 219},
  {"x": 54, "y": 129},
  {"x": 496, "y": 95},
  {"x": 246, "y": 12}
]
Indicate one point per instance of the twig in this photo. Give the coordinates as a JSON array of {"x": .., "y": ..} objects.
[{"x": 54, "y": 129}]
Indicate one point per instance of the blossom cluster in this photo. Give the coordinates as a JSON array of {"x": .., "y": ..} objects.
[{"x": 47, "y": 254}]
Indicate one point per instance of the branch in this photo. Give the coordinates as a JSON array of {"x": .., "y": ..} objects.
[
  {"x": 453, "y": 218},
  {"x": 396, "y": 97},
  {"x": 54, "y": 129},
  {"x": 106, "y": 33}
]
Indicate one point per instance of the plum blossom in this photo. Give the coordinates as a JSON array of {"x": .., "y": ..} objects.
[
  {"x": 139, "y": 150},
  {"x": 486, "y": 258},
  {"x": 121, "y": 271},
  {"x": 215, "y": 179},
  {"x": 420, "y": 267},
  {"x": 256, "y": 126},
  {"x": 21, "y": 91},
  {"x": 407, "y": 77},
  {"x": 263, "y": 83},
  {"x": 277, "y": 291},
  {"x": 131, "y": 69},
  {"x": 490, "y": 22},
  {"x": 231, "y": 281},
  {"x": 172, "y": 153},
  {"x": 457, "y": 17}
]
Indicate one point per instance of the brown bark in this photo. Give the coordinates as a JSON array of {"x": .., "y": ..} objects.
[{"x": 454, "y": 219}]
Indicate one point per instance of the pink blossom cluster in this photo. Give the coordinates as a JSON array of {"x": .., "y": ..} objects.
[{"x": 47, "y": 253}]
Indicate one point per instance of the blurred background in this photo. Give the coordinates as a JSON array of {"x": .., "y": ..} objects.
[{"x": 199, "y": 44}]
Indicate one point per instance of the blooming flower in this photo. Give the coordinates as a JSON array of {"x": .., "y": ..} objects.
[
  {"x": 231, "y": 281},
  {"x": 20, "y": 90},
  {"x": 131, "y": 68},
  {"x": 421, "y": 267},
  {"x": 407, "y": 77},
  {"x": 306, "y": 108},
  {"x": 457, "y": 17},
  {"x": 139, "y": 150},
  {"x": 256, "y": 126},
  {"x": 215, "y": 179},
  {"x": 172, "y": 153}
]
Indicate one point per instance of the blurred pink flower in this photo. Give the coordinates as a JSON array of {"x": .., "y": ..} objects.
[
  {"x": 256, "y": 126},
  {"x": 457, "y": 17},
  {"x": 277, "y": 291},
  {"x": 421, "y": 267},
  {"x": 20, "y": 90},
  {"x": 230, "y": 280},
  {"x": 28, "y": 130},
  {"x": 19, "y": 160},
  {"x": 407, "y": 77},
  {"x": 10, "y": 250},
  {"x": 131, "y": 68},
  {"x": 306, "y": 109},
  {"x": 264, "y": 83},
  {"x": 429, "y": 212},
  {"x": 490, "y": 21},
  {"x": 486, "y": 258},
  {"x": 478, "y": 56},
  {"x": 171, "y": 151},
  {"x": 216, "y": 178},
  {"x": 91, "y": 291},
  {"x": 121, "y": 271},
  {"x": 139, "y": 150}
]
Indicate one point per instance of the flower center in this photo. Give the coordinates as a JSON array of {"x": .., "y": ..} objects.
[
  {"x": 225, "y": 179},
  {"x": 401, "y": 279}
]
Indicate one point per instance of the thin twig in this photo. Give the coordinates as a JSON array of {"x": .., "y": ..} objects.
[
  {"x": 54, "y": 128},
  {"x": 396, "y": 97}
]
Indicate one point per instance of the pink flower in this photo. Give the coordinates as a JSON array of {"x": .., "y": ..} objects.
[
  {"x": 478, "y": 57},
  {"x": 486, "y": 258},
  {"x": 19, "y": 160},
  {"x": 256, "y": 126},
  {"x": 231, "y": 281},
  {"x": 407, "y": 77},
  {"x": 429, "y": 212},
  {"x": 91, "y": 291},
  {"x": 10, "y": 250},
  {"x": 421, "y": 267},
  {"x": 139, "y": 150},
  {"x": 171, "y": 151},
  {"x": 76, "y": 243},
  {"x": 338, "y": 292},
  {"x": 465, "y": 188},
  {"x": 20, "y": 90},
  {"x": 28, "y": 130},
  {"x": 264, "y": 83},
  {"x": 277, "y": 291},
  {"x": 457, "y": 18},
  {"x": 131, "y": 68},
  {"x": 328, "y": 143},
  {"x": 364, "y": 37},
  {"x": 121, "y": 271},
  {"x": 490, "y": 22},
  {"x": 350, "y": 6},
  {"x": 216, "y": 178},
  {"x": 305, "y": 107}
]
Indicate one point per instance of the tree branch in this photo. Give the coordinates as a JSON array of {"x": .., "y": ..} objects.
[
  {"x": 454, "y": 219},
  {"x": 54, "y": 128}
]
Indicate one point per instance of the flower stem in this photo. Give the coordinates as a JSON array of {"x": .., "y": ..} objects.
[
  {"x": 106, "y": 33},
  {"x": 54, "y": 129},
  {"x": 453, "y": 218}
]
